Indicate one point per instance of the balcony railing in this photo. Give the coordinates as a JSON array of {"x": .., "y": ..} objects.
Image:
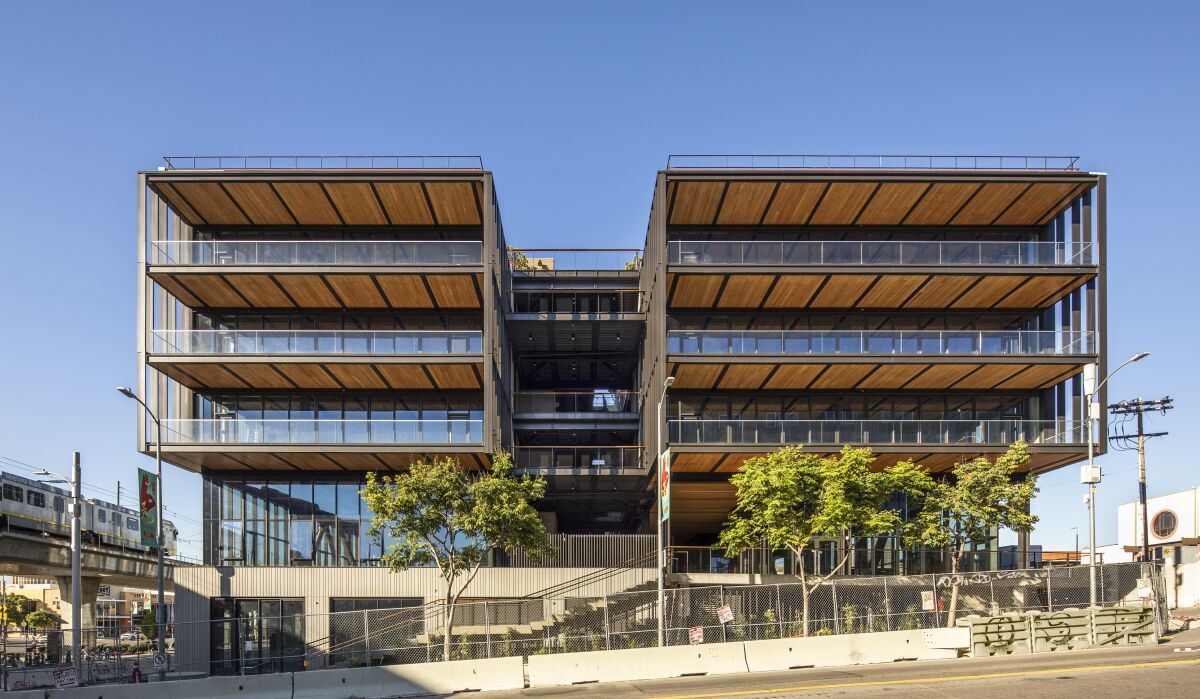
[
  {"x": 577, "y": 458},
  {"x": 574, "y": 259},
  {"x": 881, "y": 252},
  {"x": 879, "y": 342},
  {"x": 602, "y": 402},
  {"x": 876, "y": 162},
  {"x": 317, "y": 431},
  {"x": 326, "y": 162},
  {"x": 316, "y": 252},
  {"x": 869, "y": 432},
  {"x": 268, "y": 342}
]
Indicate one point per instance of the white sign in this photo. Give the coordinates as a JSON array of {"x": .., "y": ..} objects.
[
  {"x": 1143, "y": 588},
  {"x": 104, "y": 591},
  {"x": 696, "y": 635},
  {"x": 160, "y": 661},
  {"x": 65, "y": 677},
  {"x": 927, "y": 601},
  {"x": 724, "y": 614}
]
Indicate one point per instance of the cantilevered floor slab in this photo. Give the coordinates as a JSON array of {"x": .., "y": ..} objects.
[
  {"x": 316, "y": 458},
  {"x": 387, "y": 373}
]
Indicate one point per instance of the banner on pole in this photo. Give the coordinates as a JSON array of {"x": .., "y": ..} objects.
[
  {"x": 664, "y": 475},
  {"x": 148, "y": 501}
]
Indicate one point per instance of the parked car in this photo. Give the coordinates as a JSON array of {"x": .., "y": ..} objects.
[{"x": 133, "y": 636}]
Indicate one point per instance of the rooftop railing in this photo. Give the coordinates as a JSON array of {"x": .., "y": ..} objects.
[
  {"x": 574, "y": 259},
  {"x": 323, "y": 162},
  {"x": 1066, "y": 163},
  {"x": 603, "y": 402},
  {"x": 881, "y": 252},
  {"x": 316, "y": 252},
  {"x": 549, "y": 459},
  {"x": 879, "y": 342},
  {"x": 268, "y": 342},
  {"x": 317, "y": 431},
  {"x": 868, "y": 432}
]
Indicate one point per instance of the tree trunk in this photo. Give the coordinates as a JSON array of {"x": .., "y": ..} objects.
[
  {"x": 449, "y": 623},
  {"x": 804, "y": 598},
  {"x": 955, "y": 560}
]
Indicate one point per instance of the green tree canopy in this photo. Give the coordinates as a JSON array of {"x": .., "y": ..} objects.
[
  {"x": 149, "y": 624},
  {"x": 13, "y": 608},
  {"x": 42, "y": 619},
  {"x": 440, "y": 514}
]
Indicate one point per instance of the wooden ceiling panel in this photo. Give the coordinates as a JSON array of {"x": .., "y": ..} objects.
[
  {"x": 890, "y": 204},
  {"x": 405, "y": 291},
  {"x": 988, "y": 203},
  {"x": 308, "y": 290},
  {"x": 843, "y": 376},
  {"x": 405, "y": 203},
  {"x": 454, "y": 290},
  {"x": 694, "y": 463},
  {"x": 405, "y": 376},
  {"x": 179, "y": 204},
  {"x": 696, "y": 375},
  {"x": 842, "y": 203},
  {"x": 940, "y": 376},
  {"x": 259, "y": 375},
  {"x": 745, "y": 203},
  {"x": 696, "y": 203},
  {"x": 356, "y": 376},
  {"x": 892, "y": 376},
  {"x": 259, "y": 202},
  {"x": 356, "y": 290},
  {"x": 988, "y": 291},
  {"x": 1035, "y": 204},
  {"x": 176, "y": 287},
  {"x": 356, "y": 202},
  {"x": 453, "y": 376},
  {"x": 940, "y": 291},
  {"x": 988, "y": 375},
  {"x": 745, "y": 376},
  {"x": 211, "y": 202},
  {"x": 308, "y": 202},
  {"x": 842, "y": 290},
  {"x": 308, "y": 375},
  {"x": 794, "y": 291},
  {"x": 794, "y": 376},
  {"x": 941, "y": 203},
  {"x": 890, "y": 290},
  {"x": 453, "y": 203},
  {"x": 793, "y": 203},
  {"x": 1035, "y": 376},
  {"x": 214, "y": 376},
  {"x": 313, "y": 461},
  {"x": 745, "y": 290},
  {"x": 260, "y": 290},
  {"x": 215, "y": 290},
  {"x": 696, "y": 290},
  {"x": 1031, "y": 293}
]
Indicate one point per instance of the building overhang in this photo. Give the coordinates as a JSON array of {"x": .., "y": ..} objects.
[
  {"x": 323, "y": 372},
  {"x": 282, "y": 458}
]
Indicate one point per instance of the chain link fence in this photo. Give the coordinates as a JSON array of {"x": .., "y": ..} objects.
[{"x": 500, "y": 628}]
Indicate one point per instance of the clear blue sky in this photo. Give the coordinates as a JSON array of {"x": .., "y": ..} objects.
[{"x": 573, "y": 107}]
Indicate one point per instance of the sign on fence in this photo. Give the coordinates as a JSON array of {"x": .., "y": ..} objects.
[
  {"x": 724, "y": 614},
  {"x": 65, "y": 677},
  {"x": 696, "y": 635},
  {"x": 160, "y": 661},
  {"x": 927, "y": 601}
]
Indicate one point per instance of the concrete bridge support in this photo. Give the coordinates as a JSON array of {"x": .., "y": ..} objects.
[{"x": 89, "y": 586}]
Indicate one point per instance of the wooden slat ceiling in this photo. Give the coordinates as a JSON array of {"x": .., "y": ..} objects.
[
  {"x": 804, "y": 373},
  {"x": 240, "y": 202},
  {"x": 306, "y": 374},
  {"x": 867, "y": 202},
  {"x": 800, "y": 291},
  {"x": 283, "y": 458},
  {"x": 382, "y": 290}
]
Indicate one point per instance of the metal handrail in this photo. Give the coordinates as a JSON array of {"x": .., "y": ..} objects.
[
  {"x": 879, "y": 342},
  {"x": 941, "y": 432},
  {"x": 575, "y": 401},
  {"x": 578, "y": 259},
  {"x": 575, "y": 452},
  {"x": 1066, "y": 163},
  {"x": 317, "y": 252},
  {"x": 321, "y": 431},
  {"x": 877, "y": 252},
  {"x": 310, "y": 162},
  {"x": 369, "y": 342}
]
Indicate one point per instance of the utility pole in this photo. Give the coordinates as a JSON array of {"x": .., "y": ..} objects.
[{"x": 1138, "y": 407}]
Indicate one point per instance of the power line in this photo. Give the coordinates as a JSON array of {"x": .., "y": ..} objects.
[{"x": 1139, "y": 407}]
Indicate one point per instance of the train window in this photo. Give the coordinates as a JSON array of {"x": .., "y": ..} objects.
[
  {"x": 12, "y": 492},
  {"x": 35, "y": 499},
  {"x": 60, "y": 505},
  {"x": 131, "y": 523},
  {"x": 101, "y": 515}
]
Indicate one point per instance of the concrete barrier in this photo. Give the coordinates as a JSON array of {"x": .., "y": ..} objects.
[
  {"x": 275, "y": 686},
  {"x": 998, "y": 635},
  {"x": 25, "y": 694},
  {"x": 1121, "y": 626},
  {"x": 410, "y": 680},
  {"x": 636, "y": 664},
  {"x": 1069, "y": 629},
  {"x": 848, "y": 649}
]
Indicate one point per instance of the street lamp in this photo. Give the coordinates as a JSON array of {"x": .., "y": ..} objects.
[
  {"x": 662, "y": 554},
  {"x": 1091, "y": 474},
  {"x": 76, "y": 483},
  {"x": 161, "y": 612}
]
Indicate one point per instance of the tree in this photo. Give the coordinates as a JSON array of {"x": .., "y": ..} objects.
[
  {"x": 41, "y": 619},
  {"x": 13, "y": 609},
  {"x": 440, "y": 514},
  {"x": 518, "y": 260},
  {"x": 149, "y": 624},
  {"x": 973, "y": 501},
  {"x": 787, "y": 498}
]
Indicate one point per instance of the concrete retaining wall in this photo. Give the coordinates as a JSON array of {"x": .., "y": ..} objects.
[
  {"x": 277, "y": 686},
  {"x": 849, "y": 649},
  {"x": 410, "y": 680},
  {"x": 637, "y": 664}
]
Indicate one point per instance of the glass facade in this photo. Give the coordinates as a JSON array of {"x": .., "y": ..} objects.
[{"x": 256, "y": 636}]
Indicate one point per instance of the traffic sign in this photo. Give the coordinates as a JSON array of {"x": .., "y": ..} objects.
[{"x": 160, "y": 661}]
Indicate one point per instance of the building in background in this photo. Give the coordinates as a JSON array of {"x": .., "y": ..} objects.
[
  {"x": 1174, "y": 539},
  {"x": 304, "y": 321},
  {"x": 118, "y": 608}
]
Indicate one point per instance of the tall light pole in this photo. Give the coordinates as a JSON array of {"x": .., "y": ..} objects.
[
  {"x": 1091, "y": 475},
  {"x": 662, "y": 553},
  {"x": 76, "y": 483},
  {"x": 160, "y": 613}
]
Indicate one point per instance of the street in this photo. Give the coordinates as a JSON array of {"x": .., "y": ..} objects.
[{"x": 1171, "y": 669}]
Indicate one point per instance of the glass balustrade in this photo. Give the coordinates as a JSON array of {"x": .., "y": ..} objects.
[
  {"x": 268, "y": 342},
  {"x": 867, "y": 432},
  {"x": 878, "y": 342},
  {"x": 577, "y": 458},
  {"x": 316, "y": 252},
  {"x": 316, "y": 431},
  {"x": 575, "y": 402},
  {"x": 883, "y": 252}
]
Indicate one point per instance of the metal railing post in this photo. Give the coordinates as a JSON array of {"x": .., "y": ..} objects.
[
  {"x": 366, "y": 637},
  {"x": 487, "y": 628},
  {"x": 779, "y": 609},
  {"x": 887, "y": 604},
  {"x": 721, "y": 599},
  {"x": 607, "y": 628},
  {"x": 837, "y": 615}
]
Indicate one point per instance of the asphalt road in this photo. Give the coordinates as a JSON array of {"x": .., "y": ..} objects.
[{"x": 1166, "y": 670}]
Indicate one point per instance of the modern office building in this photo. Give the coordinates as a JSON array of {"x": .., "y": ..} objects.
[{"x": 303, "y": 321}]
